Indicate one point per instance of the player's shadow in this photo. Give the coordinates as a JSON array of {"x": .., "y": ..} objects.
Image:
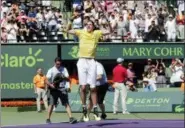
[
  {"x": 112, "y": 123},
  {"x": 111, "y": 119}
]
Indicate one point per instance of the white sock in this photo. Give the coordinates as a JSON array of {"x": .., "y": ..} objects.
[{"x": 95, "y": 106}]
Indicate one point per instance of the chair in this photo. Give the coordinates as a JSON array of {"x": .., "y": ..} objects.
[
  {"x": 53, "y": 39},
  {"x": 34, "y": 38},
  {"x": 60, "y": 36},
  {"x": 43, "y": 39}
]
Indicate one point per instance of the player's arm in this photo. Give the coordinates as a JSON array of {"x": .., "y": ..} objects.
[
  {"x": 99, "y": 73},
  {"x": 109, "y": 31},
  {"x": 99, "y": 76},
  {"x": 73, "y": 32},
  {"x": 125, "y": 74},
  {"x": 49, "y": 77},
  {"x": 70, "y": 31},
  {"x": 179, "y": 61},
  {"x": 66, "y": 74}
]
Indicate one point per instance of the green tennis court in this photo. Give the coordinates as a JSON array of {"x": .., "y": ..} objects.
[
  {"x": 28, "y": 118},
  {"x": 11, "y": 117}
]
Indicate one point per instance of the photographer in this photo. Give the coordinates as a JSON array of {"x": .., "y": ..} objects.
[{"x": 58, "y": 77}]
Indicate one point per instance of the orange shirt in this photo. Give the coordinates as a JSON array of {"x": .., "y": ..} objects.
[{"x": 40, "y": 81}]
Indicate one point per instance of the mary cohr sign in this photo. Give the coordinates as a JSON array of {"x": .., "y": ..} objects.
[{"x": 129, "y": 51}]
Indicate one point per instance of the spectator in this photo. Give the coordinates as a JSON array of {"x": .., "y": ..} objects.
[
  {"x": 139, "y": 37},
  {"x": 3, "y": 35},
  {"x": 119, "y": 78},
  {"x": 180, "y": 25},
  {"x": 147, "y": 86},
  {"x": 88, "y": 4},
  {"x": 139, "y": 12},
  {"x": 46, "y": 3},
  {"x": 162, "y": 34},
  {"x": 161, "y": 78},
  {"x": 22, "y": 18},
  {"x": 40, "y": 19},
  {"x": 77, "y": 23},
  {"x": 31, "y": 3},
  {"x": 121, "y": 26},
  {"x": 32, "y": 13},
  {"x": 153, "y": 33},
  {"x": 152, "y": 76},
  {"x": 23, "y": 33},
  {"x": 171, "y": 29},
  {"x": 87, "y": 19},
  {"x": 148, "y": 66},
  {"x": 130, "y": 86},
  {"x": 131, "y": 74},
  {"x": 40, "y": 86},
  {"x": 160, "y": 18},
  {"x": 12, "y": 30},
  {"x": 148, "y": 22},
  {"x": 52, "y": 21},
  {"x": 177, "y": 69},
  {"x": 4, "y": 8},
  {"x": 4, "y": 20},
  {"x": 33, "y": 29},
  {"x": 133, "y": 28},
  {"x": 23, "y": 6}
]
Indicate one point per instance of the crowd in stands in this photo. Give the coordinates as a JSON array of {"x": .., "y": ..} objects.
[
  {"x": 30, "y": 21},
  {"x": 158, "y": 75},
  {"x": 131, "y": 21}
]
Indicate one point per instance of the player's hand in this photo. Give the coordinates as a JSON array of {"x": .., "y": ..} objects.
[
  {"x": 52, "y": 86},
  {"x": 157, "y": 61}
]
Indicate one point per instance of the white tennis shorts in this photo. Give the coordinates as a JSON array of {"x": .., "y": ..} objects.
[{"x": 87, "y": 72}]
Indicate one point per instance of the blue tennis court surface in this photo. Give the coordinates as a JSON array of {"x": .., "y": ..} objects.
[{"x": 111, "y": 124}]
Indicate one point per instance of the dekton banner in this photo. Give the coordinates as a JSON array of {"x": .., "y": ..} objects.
[
  {"x": 136, "y": 102},
  {"x": 18, "y": 66},
  {"x": 129, "y": 51}
]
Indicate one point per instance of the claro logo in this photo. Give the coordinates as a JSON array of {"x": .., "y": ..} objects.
[{"x": 29, "y": 60}]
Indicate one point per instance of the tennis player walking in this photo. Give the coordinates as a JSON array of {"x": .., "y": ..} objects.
[{"x": 86, "y": 65}]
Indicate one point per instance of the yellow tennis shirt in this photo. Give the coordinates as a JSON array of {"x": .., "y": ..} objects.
[{"x": 88, "y": 43}]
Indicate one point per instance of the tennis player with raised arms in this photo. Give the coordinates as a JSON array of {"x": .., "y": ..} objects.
[{"x": 86, "y": 65}]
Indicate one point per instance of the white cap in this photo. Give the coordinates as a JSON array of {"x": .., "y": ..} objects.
[
  {"x": 120, "y": 60},
  {"x": 145, "y": 80},
  {"x": 170, "y": 15},
  {"x": 149, "y": 59}
]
